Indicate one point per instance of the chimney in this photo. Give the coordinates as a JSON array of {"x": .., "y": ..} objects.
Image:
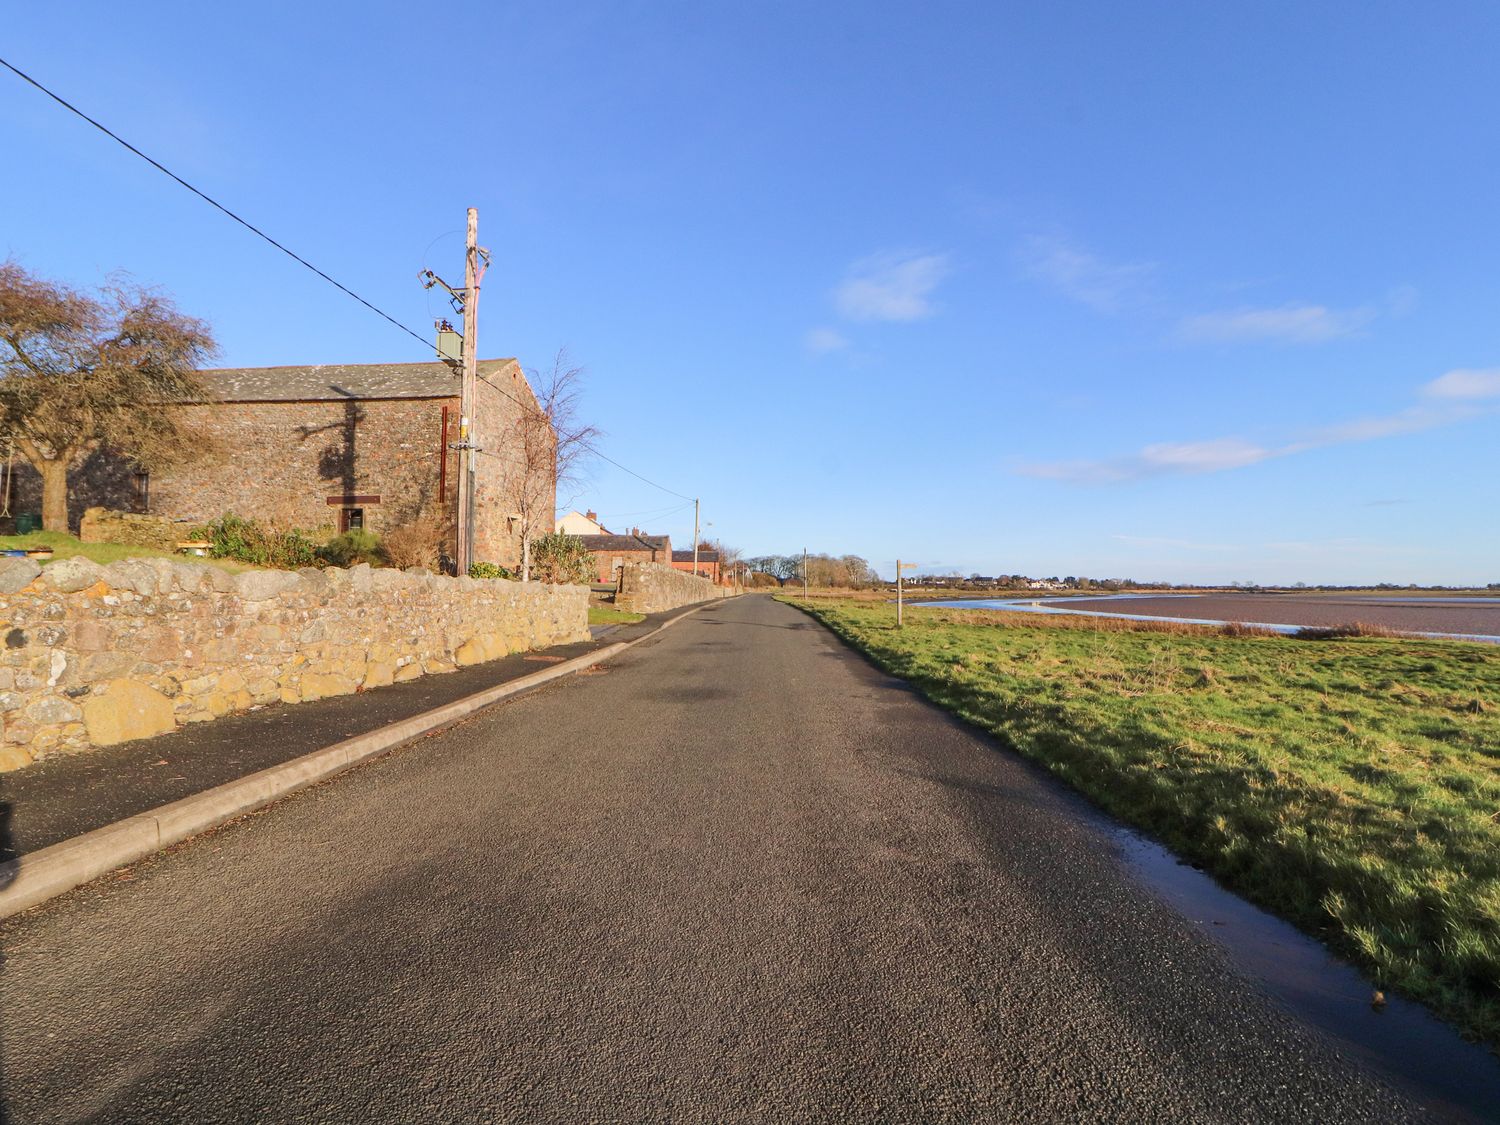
[
  {"x": 635, "y": 531},
  {"x": 591, "y": 515}
]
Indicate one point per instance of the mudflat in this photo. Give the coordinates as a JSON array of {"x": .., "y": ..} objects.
[{"x": 1457, "y": 615}]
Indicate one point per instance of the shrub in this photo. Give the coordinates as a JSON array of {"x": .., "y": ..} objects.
[
  {"x": 354, "y": 546},
  {"x": 489, "y": 570},
  {"x": 562, "y": 560},
  {"x": 418, "y": 543},
  {"x": 249, "y": 541}
]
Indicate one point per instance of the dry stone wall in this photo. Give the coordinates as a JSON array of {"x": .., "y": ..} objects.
[
  {"x": 651, "y": 588},
  {"x": 95, "y": 655}
]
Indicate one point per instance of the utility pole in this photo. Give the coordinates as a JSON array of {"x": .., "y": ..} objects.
[
  {"x": 466, "y": 402},
  {"x": 466, "y": 300},
  {"x": 804, "y": 574},
  {"x": 695, "y": 539}
]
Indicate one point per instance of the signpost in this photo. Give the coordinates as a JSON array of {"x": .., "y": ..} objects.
[{"x": 900, "y": 617}]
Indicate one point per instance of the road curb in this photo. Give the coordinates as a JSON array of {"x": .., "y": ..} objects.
[{"x": 48, "y": 872}]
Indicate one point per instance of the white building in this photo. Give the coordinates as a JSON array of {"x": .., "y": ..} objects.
[{"x": 585, "y": 523}]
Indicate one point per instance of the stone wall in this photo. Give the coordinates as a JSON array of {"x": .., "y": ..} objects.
[
  {"x": 97, "y": 655},
  {"x": 101, "y": 525},
  {"x": 654, "y": 587}
]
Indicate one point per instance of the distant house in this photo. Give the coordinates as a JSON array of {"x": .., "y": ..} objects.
[
  {"x": 329, "y": 448},
  {"x": 613, "y": 551},
  {"x": 586, "y": 523},
  {"x": 707, "y": 566}
]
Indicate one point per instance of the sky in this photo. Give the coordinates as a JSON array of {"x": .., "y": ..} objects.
[{"x": 1190, "y": 292}]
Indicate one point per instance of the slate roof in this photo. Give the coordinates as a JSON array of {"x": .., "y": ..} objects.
[
  {"x": 703, "y": 556},
  {"x": 334, "y": 381},
  {"x": 623, "y": 542}
]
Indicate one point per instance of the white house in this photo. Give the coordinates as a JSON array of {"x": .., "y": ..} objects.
[{"x": 586, "y": 523}]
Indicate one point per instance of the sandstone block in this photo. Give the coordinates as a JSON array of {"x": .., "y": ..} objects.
[
  {"x": 379, "y": 673},
  {"x": 16, "y": 574},
  {"x": 52, "y": 709},
  {"x": 407, "y": 672},
  {"x": 127, "y": 710},
  {"x": 13, "y": 758},
  {"x": 72, "y": 575},
  {"x": 261, "y": 585},
  {"x": 318, "y": 685}
]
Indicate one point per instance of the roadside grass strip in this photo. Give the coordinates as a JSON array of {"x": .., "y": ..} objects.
[
  {"x": 1349, "y": 784},
  {"x": 606, "y": 615}
]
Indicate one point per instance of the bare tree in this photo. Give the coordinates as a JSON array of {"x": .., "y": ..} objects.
[
  {"x": 78, "y": 372},
  {"x": 554, "y": 446}
]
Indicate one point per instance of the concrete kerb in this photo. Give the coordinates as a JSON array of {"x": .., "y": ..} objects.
[{"x": 32, "y": 879}]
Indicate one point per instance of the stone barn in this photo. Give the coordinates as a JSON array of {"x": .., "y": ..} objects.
[{"x": 329, "y": 448}]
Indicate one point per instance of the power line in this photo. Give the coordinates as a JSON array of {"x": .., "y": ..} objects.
[
  {"x": 212, "y": 202},
  {"x": 637, "y": 475},
  {"x": 252, "y": 228}
]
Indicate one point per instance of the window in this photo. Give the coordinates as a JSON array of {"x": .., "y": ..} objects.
[
  {"x": 142, "y": 492},
  {"x": 351, "y": 519}
]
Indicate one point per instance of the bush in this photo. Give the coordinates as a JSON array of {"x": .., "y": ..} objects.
[
  {"x": 489, "y": 570},
  {"x": 418, "y": 543},
  {"x": 249, "y": 541},
  {"x": 352, "y": 547},
  {"x": 562, "y": 560}
]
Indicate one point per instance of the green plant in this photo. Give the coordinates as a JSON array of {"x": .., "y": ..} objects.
[
  {"x": 562, "y": 560},
  {"x": 489, "y": 570},
  {"x": 354, "y": 546},
  {"x": 234, "y": 537}
]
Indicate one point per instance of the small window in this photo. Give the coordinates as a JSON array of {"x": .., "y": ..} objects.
[{"x": 351, "y": 519}]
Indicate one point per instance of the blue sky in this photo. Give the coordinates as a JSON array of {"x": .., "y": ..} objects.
[{"x": 1199, "y": 292}]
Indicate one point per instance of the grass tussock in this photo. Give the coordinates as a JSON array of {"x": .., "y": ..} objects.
[{"x": 1353, "y": 788}]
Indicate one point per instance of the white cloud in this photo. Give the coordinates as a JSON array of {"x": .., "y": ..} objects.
[
  {"x": 1219, "y": 454},
  {"x": 1465, "y": 383},
  {"x": 1289, "y": 324},
  {"x": 1160, "y": 459},
  {"x": 821, "y": 341},
  {"x": 1108, "y": 287},
  {"x": 891, "y": 287}
]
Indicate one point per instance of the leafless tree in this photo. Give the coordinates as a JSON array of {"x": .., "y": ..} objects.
[
  {"x": 554, "y": 446},
  {"x": 80, "y": 371}
]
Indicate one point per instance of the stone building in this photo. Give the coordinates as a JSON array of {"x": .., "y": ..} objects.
[
  {"x": 611, "y": 552},
  {"x": 707, "y": 563},
  {"x": 333, "y": 447}
]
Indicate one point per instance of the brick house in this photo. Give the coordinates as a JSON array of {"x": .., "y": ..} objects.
[
  {"x": 328, "y": 448},
  {"x": 708, "y": 563},
  {"x": 613, "y": 551}
]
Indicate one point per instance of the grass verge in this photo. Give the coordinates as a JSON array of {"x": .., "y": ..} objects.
[
  {"x": 603, "y": 615},
  {"x": 1351, "y": 785},
  {"x": 66, "y": 546}
]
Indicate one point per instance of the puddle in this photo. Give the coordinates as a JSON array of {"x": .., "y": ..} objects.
[{"x": 1415, "y": 1051}]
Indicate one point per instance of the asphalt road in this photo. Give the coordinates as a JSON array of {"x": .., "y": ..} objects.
[{"x": 740, "y": 875}]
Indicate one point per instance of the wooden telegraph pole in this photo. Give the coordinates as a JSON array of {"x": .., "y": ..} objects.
[
  {"x": 695, "y": 540},
  {"x": 467, "y": 454},
  {"x": 476, "y": 261}
]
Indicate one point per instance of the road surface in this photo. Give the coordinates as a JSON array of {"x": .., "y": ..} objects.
[{"x": 740, "y": 875}]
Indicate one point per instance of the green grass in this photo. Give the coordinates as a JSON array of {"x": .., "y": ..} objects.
[
  {"x": 603, "y": 615},
  {"x": 66, "y": 546},
  {"x": 1351, "y": 786}
]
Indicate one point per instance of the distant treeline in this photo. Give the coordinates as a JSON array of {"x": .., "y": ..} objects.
[{"x": 847, "y": 571}]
